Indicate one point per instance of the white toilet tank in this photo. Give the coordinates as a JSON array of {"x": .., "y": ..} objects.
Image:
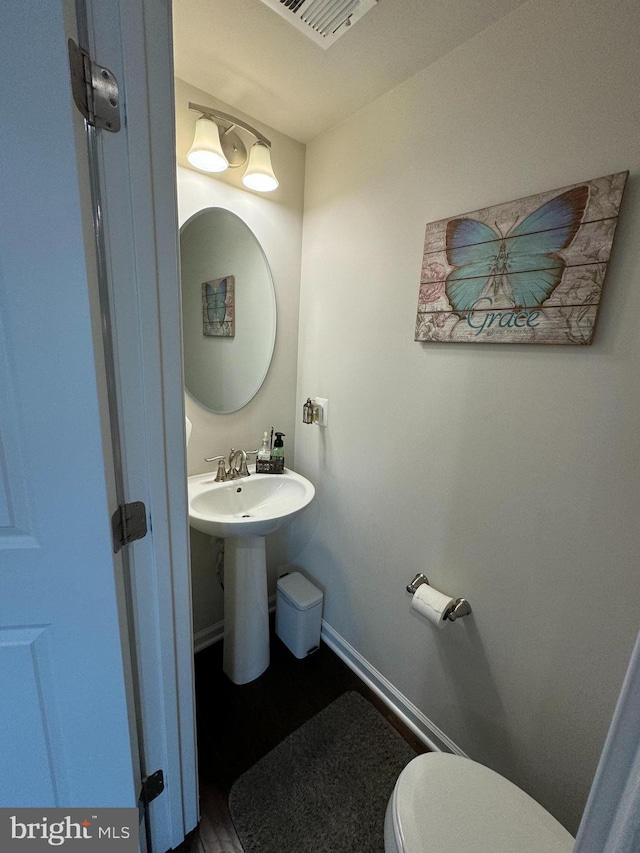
[{"x": 450, "y": 804}]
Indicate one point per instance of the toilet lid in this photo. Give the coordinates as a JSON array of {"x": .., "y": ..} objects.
[{"x": 445, "y": 802}]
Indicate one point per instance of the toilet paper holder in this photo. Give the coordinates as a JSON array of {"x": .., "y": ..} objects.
[{"x": 461, "y": 606}]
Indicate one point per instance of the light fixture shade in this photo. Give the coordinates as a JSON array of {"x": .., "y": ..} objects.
[
  {"x": 259, "y": 174},
  {"x": 206, "y": 152}
]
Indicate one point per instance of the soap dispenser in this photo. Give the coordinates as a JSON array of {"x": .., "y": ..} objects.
[
  {"x": 264, "y": 454},
  {"x": 278, "y": 447}
]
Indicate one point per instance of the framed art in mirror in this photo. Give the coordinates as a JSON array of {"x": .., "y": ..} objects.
[{"x": 228, "y": 310}]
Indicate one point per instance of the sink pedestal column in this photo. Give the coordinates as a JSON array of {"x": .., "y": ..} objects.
[{"x": 246, "y": 609}]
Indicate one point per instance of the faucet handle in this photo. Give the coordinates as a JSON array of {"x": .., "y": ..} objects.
[{"x": 221, "y": 475}]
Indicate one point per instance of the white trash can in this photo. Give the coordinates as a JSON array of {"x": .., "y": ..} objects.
[{"x": 298, "y": 614}]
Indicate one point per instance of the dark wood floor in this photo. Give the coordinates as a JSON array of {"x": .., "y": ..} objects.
[{"x": 237, "y": 725}]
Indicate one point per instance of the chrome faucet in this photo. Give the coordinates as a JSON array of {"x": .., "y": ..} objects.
[
  {"x": 233, "y": 473},
  {"x": 240, "y": 470},
  {"x": 237, "y": 465}
]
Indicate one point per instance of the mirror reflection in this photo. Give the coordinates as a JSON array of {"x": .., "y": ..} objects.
[{"x": 228, "y": 310}]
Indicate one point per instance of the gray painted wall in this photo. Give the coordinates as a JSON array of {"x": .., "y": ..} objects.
[{"x": 507, "y": 474}]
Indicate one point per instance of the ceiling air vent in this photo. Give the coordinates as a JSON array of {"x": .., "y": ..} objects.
[{"x": 323, "y": 21}]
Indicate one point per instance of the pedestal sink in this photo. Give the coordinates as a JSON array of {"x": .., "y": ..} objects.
[{"x": 243, "y": 512}]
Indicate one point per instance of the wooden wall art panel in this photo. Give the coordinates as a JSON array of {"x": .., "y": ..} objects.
[{"x": 528, "y": 271}]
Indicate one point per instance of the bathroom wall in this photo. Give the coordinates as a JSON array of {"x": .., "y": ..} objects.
[
  {"x": 508, "y": 474},
  {"x": 276, "y": 221}
]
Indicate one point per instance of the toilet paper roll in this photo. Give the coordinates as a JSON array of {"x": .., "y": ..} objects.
[
  {"x": 431, "y": 604},
  {"x": 188, "y": 428}
]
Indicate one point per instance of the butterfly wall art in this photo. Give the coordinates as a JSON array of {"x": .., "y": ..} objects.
[
  {"x": 528, "y": 271},
  {"x": 218, "y": 307}
]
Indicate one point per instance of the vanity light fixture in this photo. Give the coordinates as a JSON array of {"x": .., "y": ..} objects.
[
  {"x": 217, "y": 146},
  {"x": 206, "y": 152}
]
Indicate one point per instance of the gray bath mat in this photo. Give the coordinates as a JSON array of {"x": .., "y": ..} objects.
[{"x": 325, "y": 788}]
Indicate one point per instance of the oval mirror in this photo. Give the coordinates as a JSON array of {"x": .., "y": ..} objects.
[{"x": 228, "y": 310}]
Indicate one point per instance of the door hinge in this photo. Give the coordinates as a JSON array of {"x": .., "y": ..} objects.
[
  {"x": 95, "y": 90},
  {"x": 128, "y": 523},
  {"x": 152, "y": 787}
]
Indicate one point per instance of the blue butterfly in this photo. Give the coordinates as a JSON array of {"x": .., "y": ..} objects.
[
  {"x": 215, "y": 297},
  {"x": 521, "y": 267}
]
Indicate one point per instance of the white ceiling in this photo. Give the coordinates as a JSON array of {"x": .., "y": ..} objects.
[{"x": 245, "y": 54}]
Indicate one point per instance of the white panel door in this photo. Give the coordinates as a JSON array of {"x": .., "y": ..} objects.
[
  {"x": 64, "y": 726},
  {"x": 137, "y": 177}
]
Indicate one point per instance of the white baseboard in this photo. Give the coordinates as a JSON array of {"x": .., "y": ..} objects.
[
  {"x": 208, "y": 636},
  {"x": 214, "y": 633},
  {"x": 411, "y": 716}
]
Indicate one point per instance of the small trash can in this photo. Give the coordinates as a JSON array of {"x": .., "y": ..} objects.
[{"x": 298, "y": 614}]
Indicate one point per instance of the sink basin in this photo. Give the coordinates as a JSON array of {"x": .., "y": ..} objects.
[{"x": 251, "y": 506}]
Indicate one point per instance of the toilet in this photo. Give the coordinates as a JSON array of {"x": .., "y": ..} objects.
[{"x": 444, "y": 803}]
